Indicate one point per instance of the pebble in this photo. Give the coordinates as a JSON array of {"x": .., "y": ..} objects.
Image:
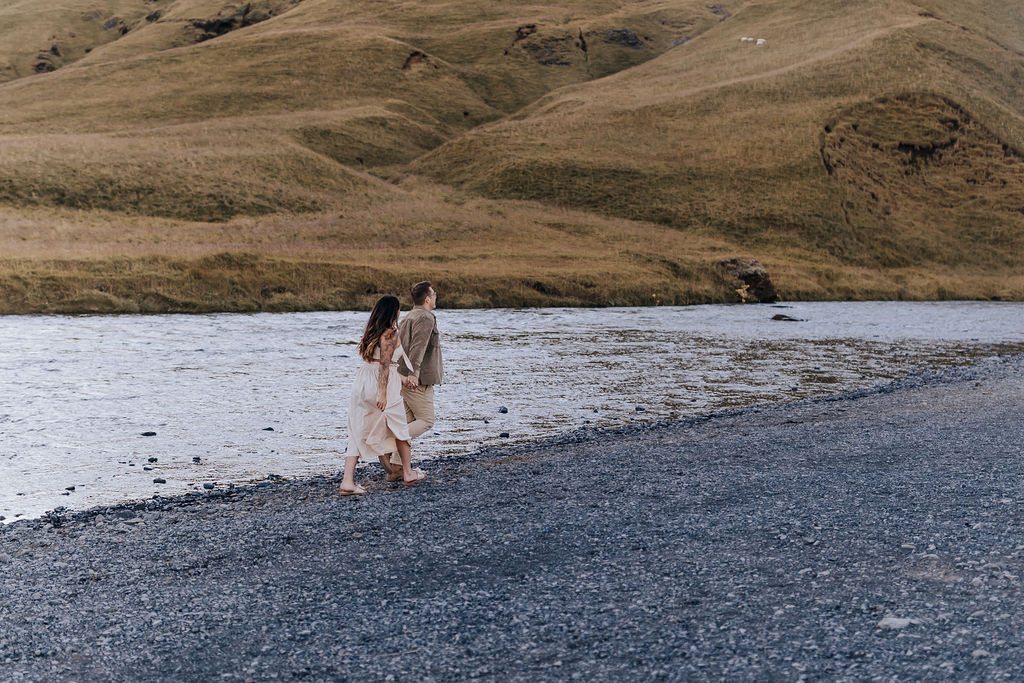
[
  {"x": 158, "y": 480},
  {"x": 897, "y": 623},
  {"x": 503, "y": 410},
  {"x": 70, "y": 488},
  {"x": 4, "y": 558},
  {"x": 268, "y": 429},
  {"x": 503, "y": 435},
  {"x": 151, "y": 460},
  {"x": 208, "y": 486},
  {"x": 148, "y": 433}
]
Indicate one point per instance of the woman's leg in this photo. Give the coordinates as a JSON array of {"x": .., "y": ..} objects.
[
  {"x": 408, "y": 473},
  {"x": 348, "y": 481},
  {"x": 405, "y": 453}
]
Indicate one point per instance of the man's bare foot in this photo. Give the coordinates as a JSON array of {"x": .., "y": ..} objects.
[{"x": 392, "y": 472}]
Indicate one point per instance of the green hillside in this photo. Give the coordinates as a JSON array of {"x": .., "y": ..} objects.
[{"x": 295, "y": 154}]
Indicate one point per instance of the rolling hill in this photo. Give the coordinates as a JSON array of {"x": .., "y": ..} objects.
[{"x": 189, "y": 155}]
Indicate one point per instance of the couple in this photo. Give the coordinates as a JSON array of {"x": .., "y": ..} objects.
[{"x": 393, "y": 392}]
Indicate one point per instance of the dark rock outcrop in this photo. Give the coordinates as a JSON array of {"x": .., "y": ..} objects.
[
  {"x": 231, "y": 18},
  {"x": 551, "y": 50},
  {"x": 415, "y": 58},
  {"x": 524, "y": 31},
  {"x": 750, "y": 280},
  {"x": 624, "y": 37}
]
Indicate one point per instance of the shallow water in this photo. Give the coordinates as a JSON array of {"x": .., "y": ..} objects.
[{"x": 76, "y": 393}]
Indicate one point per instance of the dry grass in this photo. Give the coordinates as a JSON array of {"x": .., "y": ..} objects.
[{"x": 283, "y": 165}]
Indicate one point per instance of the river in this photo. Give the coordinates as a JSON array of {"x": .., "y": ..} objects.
[{"x": 233, "y": 398}]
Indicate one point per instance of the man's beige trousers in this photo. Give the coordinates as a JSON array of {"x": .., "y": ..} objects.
[{"x": 419, "y": 413}]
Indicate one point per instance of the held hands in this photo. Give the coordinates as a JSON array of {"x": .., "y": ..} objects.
[{"x": 410, "y": 382}]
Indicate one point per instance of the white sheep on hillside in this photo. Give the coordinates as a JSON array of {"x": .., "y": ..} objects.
[{"x": 761, "y": 41}]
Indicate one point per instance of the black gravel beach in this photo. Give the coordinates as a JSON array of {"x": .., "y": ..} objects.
[{"x": 868, "y": 535}]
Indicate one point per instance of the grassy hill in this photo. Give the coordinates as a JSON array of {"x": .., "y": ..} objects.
[{"x": 296, "y": 154}]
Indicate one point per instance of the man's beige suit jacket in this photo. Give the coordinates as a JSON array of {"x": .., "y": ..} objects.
[{"x": 422, "y": 343}]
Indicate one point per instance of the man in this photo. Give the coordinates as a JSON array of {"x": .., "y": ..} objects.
[{"x": 422, "y": 343}]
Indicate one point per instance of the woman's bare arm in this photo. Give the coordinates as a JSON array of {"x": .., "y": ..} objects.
[{"x": 388, "y": 342}]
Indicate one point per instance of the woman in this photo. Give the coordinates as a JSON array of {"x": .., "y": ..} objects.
[{"x": 376, "y": 413}]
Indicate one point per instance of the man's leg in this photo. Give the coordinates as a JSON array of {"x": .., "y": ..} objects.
[
  {"x": 419, "y": 413},
  {"x": 419, "y": 409}
]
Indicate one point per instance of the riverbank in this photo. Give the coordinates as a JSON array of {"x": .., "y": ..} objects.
[
  {"x": 616, "y": 268},
  {"x": 870, "y": 534}
]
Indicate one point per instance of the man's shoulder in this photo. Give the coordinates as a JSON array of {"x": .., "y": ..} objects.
[
  {"x": 419, "y": 314},
  {"x": 411, "y": 319}
]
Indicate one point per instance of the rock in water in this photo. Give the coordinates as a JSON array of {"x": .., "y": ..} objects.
[
  {"x": 148, "y": 433},
  {"x": 158, "y": 480},
  {"x": 749, "y": 279},
  {"x": 503, "y": 410}
]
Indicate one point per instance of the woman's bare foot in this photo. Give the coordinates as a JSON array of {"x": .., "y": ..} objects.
[
  {"x": 356, "y": 490},
  {"x": 414, "y": 477}
]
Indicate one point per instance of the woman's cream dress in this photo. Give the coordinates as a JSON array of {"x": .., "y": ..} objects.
[{"x": 371, "y": 431}]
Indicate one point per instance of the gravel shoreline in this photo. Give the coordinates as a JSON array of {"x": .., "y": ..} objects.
[{"x": 873, "y": 534}]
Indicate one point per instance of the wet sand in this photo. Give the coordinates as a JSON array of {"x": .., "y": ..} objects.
[{"x": 872, "y": 534}]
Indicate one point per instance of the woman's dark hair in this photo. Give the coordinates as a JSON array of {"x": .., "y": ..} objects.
[{"x": 382, "y": 318}]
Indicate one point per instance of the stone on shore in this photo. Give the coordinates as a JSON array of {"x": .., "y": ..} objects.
[{"x": 897, "y": 623}]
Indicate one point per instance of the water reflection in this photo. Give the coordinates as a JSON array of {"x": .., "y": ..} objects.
[{"x": 77, "y": 393}]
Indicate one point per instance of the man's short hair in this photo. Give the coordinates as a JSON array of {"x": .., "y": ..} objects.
[{"x": 420, "y": 291}]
